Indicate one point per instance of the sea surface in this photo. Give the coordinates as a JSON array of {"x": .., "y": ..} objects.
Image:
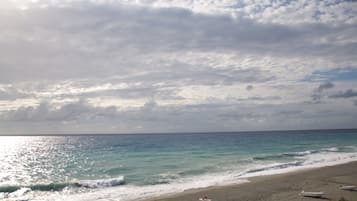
[{"x": 132, "y": 167}]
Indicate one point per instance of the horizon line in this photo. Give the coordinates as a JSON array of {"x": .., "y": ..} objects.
[{"x": 170, "y": 133}]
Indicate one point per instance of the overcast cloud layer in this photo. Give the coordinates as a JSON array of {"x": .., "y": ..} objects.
[{"x": 118, "y": 66}]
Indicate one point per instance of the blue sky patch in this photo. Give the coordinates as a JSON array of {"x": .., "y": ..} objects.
[{"x": 339, "y": 74}]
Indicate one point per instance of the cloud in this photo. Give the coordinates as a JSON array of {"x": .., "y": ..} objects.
[
  {"x": 282, "y": 12},
  {"x": 8, "y": 92},
  {"x": 249, "y": 87},
  {"x": 81, "y": 117},
  {"x": 69, "y": 112},
  {"x": 119, "y": 66},
  {"x": 126, "y": 38},
  {"x": 318, "y": 92},
  {"x": 350, "y": 93},
  {"x": 325, "y": 86}
]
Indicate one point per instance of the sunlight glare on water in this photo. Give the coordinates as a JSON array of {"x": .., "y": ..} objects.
[
  {"x": 11, "y": 150},
  {"x": 26, "y": 160}
]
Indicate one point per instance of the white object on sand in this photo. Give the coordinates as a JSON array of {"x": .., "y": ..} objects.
[
  {"x": 312, "y": 194},
  {"x": 349, "y": 188},
  {"x": 204, "y": 199}
]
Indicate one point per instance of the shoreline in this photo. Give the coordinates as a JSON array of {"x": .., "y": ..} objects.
[{"x": 279, "y": 187}]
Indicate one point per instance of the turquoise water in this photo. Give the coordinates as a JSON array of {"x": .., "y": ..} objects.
[{"x": 128, "y": 167}]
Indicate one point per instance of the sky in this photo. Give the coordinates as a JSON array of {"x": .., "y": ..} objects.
[{"x": 144, "y": 66}]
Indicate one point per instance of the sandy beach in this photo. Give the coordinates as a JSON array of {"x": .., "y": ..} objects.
[{"x": 282, "y": 187}]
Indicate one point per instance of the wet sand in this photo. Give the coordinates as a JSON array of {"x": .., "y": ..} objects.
[{"x": 283, "y": 187}]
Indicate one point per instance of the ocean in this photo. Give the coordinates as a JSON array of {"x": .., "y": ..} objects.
[{"x": 137, "y": 166}]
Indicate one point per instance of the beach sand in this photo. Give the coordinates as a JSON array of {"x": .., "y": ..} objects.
[{"x": 282, "y": 187}]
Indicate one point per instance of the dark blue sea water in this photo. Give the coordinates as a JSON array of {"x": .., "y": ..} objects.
[{"x": 128, "y": 167}]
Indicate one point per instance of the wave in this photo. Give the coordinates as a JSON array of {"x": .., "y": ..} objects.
[
  {"x": 60, "y": 186},
  {"x": 163, "y": 178},
  {"x": 275, "y": 166},
  {"x": 37, "y": 187},
  {"x": 102, "y": 183},
  {"x": 298, "y": 154},
  {"x": 283, "y": 156},
  {"x": 166, "y": 178},
  {"x": 303, "y": 160},
  {"x": 334, "y": 149}
]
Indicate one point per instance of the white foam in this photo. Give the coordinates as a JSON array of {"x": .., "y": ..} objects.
[
  {"x": 130, "y": 192},
  {"x": 314, "y": 160},
  {"x": 332, "y": 149},
  {"x": 102, "y": 183}
]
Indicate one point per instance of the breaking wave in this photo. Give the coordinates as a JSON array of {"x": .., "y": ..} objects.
[
  {"x": 60, "y": 186},
  {"x": 298, "y": 154}
]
